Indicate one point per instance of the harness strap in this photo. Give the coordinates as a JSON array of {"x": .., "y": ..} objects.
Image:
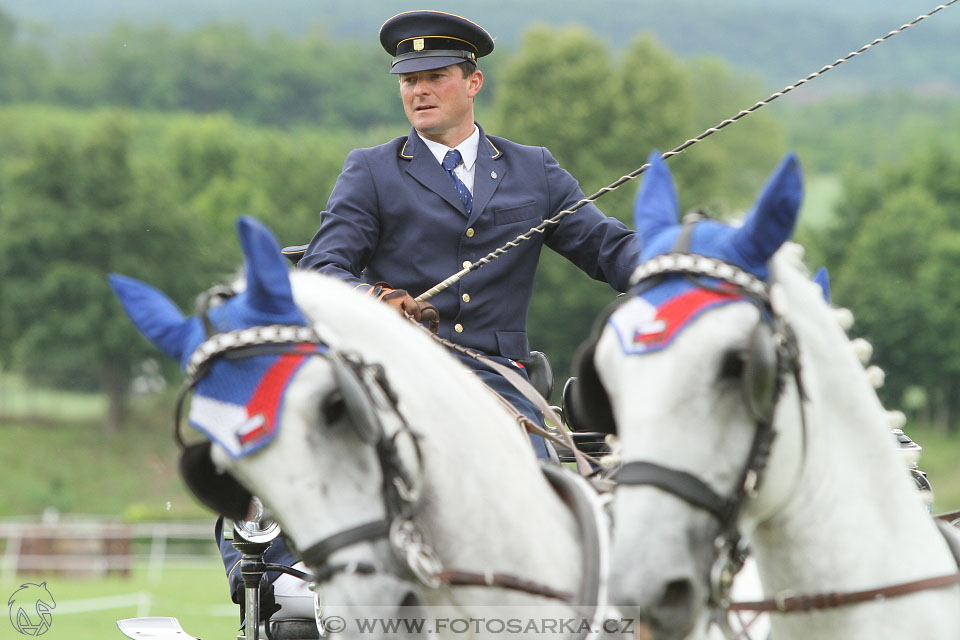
[
  {"x": 457, "y": 578},
  {"x": 833, "y": 599},
  {"x": 680, "y": 483},
  {"x": 593, "y": 527},
  {"x": 524, "y": 388},
  {"x": 317, "y": 554}
]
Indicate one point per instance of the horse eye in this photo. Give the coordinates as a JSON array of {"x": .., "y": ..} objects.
[
  {"x": 333, "y": 407},
  {"x": 732, "y": 364}
]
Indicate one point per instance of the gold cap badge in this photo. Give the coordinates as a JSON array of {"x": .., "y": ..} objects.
[{"x": 418, "y": 44}]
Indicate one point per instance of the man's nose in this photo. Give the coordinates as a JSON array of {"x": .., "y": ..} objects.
[{"x": 421, "y": 87}]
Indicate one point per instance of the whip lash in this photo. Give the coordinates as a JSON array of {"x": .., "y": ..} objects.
[{"x": 543, "y": 226}]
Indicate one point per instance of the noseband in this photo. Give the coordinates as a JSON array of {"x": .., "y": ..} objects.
[{"x": 773, "y": 355}]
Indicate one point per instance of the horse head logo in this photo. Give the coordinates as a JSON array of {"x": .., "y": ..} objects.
[{"x": 30, "y": 607}]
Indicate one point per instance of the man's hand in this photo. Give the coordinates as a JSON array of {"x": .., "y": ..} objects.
[{"x": 404, "y": 303}]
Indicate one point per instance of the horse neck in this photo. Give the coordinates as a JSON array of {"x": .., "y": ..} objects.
[
  {"x": 853, "y": 508},
  {"x": 480, "y": 473}
]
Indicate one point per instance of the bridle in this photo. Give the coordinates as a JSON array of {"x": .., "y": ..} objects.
[
  {"x": 370, "y": 402},
  {"x": 774, "y": 330},
  {"x": 773, "y": 355},
  {"x": 373, "y": 408}
]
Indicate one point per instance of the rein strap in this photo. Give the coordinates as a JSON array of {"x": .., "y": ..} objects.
[{"x": 833, "y": 600}]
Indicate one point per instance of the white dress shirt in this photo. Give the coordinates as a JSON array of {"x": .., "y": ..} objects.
[{"x": 468, "y": 151}]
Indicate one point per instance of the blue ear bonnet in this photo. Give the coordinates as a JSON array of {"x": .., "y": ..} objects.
[
  {"x": 765, "y": 228},
  {"x": 238, "y": 403},
  {"x": 709, "y": 238}
]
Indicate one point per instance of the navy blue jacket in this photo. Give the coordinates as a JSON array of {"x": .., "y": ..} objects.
[{"x": 394, "y": 216}]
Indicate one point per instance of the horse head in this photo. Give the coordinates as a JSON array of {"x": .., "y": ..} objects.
[
  {"x": 379, "y": 454},
  {"x": 263, "y": 384},
  {"x": 724, "y": 433},
  {"x": 691, "y": 364}
]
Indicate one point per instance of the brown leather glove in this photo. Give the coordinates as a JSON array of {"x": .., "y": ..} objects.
[{"x": 403, "y": 302}]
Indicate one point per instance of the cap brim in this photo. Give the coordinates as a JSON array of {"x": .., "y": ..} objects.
[{"x": 425, "y": 63}]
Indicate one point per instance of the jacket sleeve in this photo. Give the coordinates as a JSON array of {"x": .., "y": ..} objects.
[
  {"x": 601, "y": 246},
  {"x": 350, "y": 225}
]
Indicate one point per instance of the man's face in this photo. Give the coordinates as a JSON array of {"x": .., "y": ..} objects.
[{"x": 439, "y": 102}]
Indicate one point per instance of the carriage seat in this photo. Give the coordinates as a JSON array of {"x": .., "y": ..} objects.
[{"x": 540, "y": 373}]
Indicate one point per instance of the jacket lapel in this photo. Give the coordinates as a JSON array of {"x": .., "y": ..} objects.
[
  {"x": 425, "y": 169},
  {"x": 487, "y": 176}
]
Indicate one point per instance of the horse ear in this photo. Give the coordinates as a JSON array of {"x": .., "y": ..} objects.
[
  {"x": 153, "y": 313},
  {"x": 656, "y": 207},
  {"x": 268, "y": 276},
  {"x": 774, "y": 214},
  {"x": 822, "y": 278}
]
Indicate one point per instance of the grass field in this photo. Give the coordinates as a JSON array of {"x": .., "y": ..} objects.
[
  {"x": 60, "y": 457},
  {"x": 87, "y": 609},
  {"x": 940, "y": 460}
]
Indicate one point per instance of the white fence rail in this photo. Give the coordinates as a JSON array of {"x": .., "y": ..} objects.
[{"x": 85, "y": 545}]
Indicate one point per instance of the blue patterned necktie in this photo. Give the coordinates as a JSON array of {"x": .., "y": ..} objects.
[{"x": 451, "y": 160}]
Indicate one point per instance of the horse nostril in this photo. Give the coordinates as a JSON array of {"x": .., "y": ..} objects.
[
  {"x": 677, "y": 595},
  {"x": 333, "y": 407}
]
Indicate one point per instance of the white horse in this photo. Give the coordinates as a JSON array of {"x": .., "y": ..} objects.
[
  {"x": 372, "y": 446},
  {"x": 705, "y": 355}
]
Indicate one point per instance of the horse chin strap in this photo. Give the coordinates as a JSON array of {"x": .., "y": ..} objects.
[{"x": 688, "y": 487}]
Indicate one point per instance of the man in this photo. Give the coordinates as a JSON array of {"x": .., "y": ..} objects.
[{"x": 405, "y": 215}]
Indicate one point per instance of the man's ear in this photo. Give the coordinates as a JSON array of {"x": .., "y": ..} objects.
[{"x": 474, "y": 83}]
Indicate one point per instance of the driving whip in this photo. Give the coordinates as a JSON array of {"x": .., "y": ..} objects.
[{"x": 543, "y": 226}]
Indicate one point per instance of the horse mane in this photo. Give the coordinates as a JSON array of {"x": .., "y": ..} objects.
[{"x": 822, "y": 332}]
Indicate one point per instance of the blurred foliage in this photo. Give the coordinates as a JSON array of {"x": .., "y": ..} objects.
[
  {"x": 894, "y": 255},
  {"x": 162, "y": 137},
  {"x": 601, "y": 117},
  {"x": 152, "y": 199}
]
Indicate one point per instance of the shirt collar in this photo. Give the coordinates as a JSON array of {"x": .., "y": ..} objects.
[{"x": 467, "y": 148}]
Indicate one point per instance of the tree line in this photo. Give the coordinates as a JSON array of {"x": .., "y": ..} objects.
[{"x": 137, "y": 155}]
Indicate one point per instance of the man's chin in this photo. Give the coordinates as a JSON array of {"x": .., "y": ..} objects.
[{"x": 425, "y": 122}]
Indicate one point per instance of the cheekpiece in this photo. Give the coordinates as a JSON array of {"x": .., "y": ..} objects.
[{"x": 424, "y": 40}]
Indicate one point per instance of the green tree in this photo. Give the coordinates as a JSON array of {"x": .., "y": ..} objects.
[
  {"x": 556, "y": 92},
  {"x": 82, "y": 207},
  {"x": 601, "y": 119}
]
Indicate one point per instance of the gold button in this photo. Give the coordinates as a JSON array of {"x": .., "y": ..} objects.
[
  {"x": 458, "y": 328},
  {"x": 470, "y": 232},
  {"x": 465, "y": 297},
  {"x": 466, "y": 264}
]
